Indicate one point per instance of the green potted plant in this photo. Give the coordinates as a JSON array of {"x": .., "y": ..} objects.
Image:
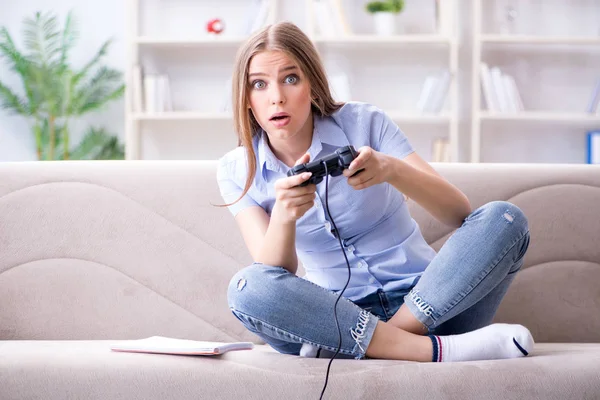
[
  {"x": 54, "y": 92},
  {"x": 384, "y": 13}
]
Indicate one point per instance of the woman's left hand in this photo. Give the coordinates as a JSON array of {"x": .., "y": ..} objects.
[{"x": 375, "y": 168}]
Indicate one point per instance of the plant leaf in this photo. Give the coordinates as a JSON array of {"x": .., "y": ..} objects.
[
  {"x": 95, "y": 60},
  {"x": 13, "y": 102},
  {"x": 22, "y": 66},
  {"x": 42, "y": 38},
  {"x": 97, "y": 144},
  {"x": 70, "y": 35},
  {"x": 103, "y": 87}
]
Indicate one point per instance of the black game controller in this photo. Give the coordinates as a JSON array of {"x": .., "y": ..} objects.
[{"x": 336, "y": 163}]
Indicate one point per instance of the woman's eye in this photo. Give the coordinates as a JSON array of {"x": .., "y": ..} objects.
[
  {"x": 258, "y": 84},
  {"x": 291, "y": 79}
]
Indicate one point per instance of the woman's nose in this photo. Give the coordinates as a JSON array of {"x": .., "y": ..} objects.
[{"x": 277, "y": 96}]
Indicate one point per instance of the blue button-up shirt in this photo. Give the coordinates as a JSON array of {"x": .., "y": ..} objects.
[{"x": 383, "y": 243}]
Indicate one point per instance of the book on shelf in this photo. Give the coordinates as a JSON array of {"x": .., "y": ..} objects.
[
  {"x": 167, "y": 345},
  {"x": 499, "y": 90},
  {"x": 151, "y": 93},
  {"x": 440, "y": 151},
  {"x": 258, "y": 15},
  {"x": 593, "y": 147},
  {"x": 594, "y": 103},
  {"x": 331, "y": 19},
  {"x": 434, "y": 92},
  {"x": 444, "y": 16},
  {"x": 137, "y": 98}
]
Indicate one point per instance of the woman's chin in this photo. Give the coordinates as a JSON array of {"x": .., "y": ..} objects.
[{"x": 282, "y": 133}]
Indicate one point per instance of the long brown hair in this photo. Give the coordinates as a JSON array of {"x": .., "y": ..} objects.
[{"x": 289, "y": 39}]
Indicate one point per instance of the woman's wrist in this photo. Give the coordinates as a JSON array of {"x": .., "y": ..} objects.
[
  {"x": 278, "y": 216},
  {"x": 395, "y": 168}
]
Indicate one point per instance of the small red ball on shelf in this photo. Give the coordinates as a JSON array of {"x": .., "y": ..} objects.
[{"x": 215, "y": 26}]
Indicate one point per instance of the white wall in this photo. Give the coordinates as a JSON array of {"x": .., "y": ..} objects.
[{"x": 98, "y": 21}]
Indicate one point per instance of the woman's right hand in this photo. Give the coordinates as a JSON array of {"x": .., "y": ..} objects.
[{"x": 291, "y": 200}]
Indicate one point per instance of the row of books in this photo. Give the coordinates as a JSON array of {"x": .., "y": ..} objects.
[
  {"x": 593, "y": 147},
  {"x": 431, "y": 100},
  {"x": 594, "y": 103},
  {"x": 434, "y": 92},
  {"x": 151, "y": 93},
  {"x": 440, "y": 151},
  {"x": 500, "y": 90}
]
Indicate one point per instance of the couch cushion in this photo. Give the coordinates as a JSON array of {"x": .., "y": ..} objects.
[
  {"x": 89, "y": 369},
  {"x": 121, "y": 249}
]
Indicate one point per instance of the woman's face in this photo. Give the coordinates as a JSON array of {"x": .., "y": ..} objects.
[{"x": 279, "y": 95}]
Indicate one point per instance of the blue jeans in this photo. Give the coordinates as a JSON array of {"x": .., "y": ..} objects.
[{"x": 459, "y": 291}]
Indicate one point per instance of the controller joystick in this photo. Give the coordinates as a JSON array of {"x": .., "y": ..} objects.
[{"x": 336, "y": 163}]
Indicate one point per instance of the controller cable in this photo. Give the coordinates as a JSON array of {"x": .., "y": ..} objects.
[{"x": 347, "y": 282}]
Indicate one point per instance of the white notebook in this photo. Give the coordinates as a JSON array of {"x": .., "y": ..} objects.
[{"x": 165, "y": 345}]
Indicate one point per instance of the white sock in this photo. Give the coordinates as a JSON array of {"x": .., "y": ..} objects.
[
  {"x": 496, "y": 341},
  {"x": 308, "y": 350}
]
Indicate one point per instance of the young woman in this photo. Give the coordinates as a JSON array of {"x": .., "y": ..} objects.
[{"x": 403, "y": 300}]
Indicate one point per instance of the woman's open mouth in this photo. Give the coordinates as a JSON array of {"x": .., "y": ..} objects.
[{"x": 280, "y": 120}]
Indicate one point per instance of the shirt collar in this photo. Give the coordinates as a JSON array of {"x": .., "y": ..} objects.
[{"x": 326, "y": 131}]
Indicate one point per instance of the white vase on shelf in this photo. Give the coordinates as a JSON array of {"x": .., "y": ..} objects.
[{"x": 385, "y": 23}]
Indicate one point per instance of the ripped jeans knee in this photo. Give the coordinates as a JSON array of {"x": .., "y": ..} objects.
[{"x": 285, "y": 309}]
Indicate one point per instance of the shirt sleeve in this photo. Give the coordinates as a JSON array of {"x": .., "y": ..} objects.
[
  {"x": 390, "y": 139},
  {"x": 231, "y": 190}
]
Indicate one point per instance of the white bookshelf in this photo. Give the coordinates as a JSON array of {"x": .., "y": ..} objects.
[
  {"x": 384, "y": 41},
  {"x": 541, "y": 116},
  {"x": 532, "y": 39},
  {"x": 149, "y": 41},
  {"x": 554, "y": 62},
  {"x": 388, "y": 71}
]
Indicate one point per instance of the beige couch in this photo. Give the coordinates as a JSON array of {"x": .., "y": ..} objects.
[{"x": 94, "y": 252}]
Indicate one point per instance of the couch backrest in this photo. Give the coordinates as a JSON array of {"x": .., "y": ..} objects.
[{"x": 115, "y": 249}]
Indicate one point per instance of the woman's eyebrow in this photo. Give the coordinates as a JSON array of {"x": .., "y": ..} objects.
[{"x": 284, "y": 69}]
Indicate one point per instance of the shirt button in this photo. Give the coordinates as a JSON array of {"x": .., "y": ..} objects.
[
  {"x": 327, "y": 226},
  {"x": 360, "y": 264},
  {"x": 372, "y": 280},
  {"x": 350, "y": 248},
  {"x": 317, "y": 204}
]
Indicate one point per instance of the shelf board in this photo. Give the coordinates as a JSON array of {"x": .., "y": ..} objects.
[
  {"x": 533, "y": 39},
  {"x": 183, "y": 116},
  {"x": 384, "y": 40},
  {"x": 397, "y": 116},
  {"x": 540, "y": 116},
  {"x": 202, "y": 41}
]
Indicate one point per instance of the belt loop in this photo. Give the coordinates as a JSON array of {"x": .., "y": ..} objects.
[{"x": 383, "y": 301}]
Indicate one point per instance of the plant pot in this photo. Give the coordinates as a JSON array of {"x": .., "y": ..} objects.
[{"x": 385, "y": 23}]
